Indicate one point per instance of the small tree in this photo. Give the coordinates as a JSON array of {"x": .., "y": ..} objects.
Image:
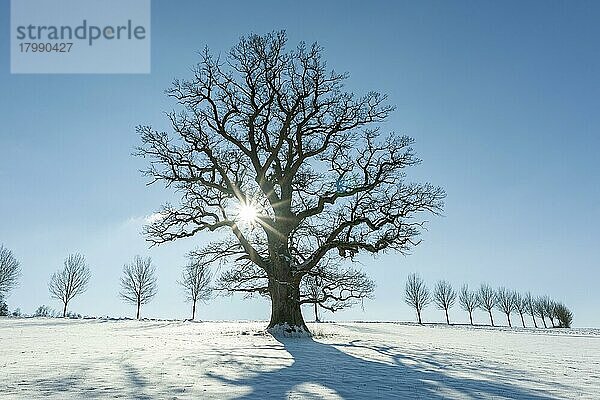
[
  {"x": 416, "y": 294},
  {"x": 444, "y": 297},
  {"x": 486, "y": 300},
  {"x": 468, "y": 301},
  {"x": 9, "y": 270},
  {"x": 44, "y": 311},
  {"x": 549, "y": 306},
  {"x": 3, "y": 308},
  {"x": 138, "y": 284},
  {"x": 564, "y": 315},
  {"x": 505, "y": 302},
  {"x": 196, "y": 279},
  {"x": 540, "y": 308},
  {"x": 334, "y": 288},
  {"x": 520, "y": 305},
  {"x": 531, "y": 307},
  {"x": 71, "y": 281}
]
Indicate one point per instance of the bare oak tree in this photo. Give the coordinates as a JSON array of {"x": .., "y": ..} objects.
[
  {"x": 416, "y": 294},
  {"x": 486, "y": 300},
  {"x": 468, "y": 301},
  {"x": 9, "y": 270},
  {"x": 531, "y": 307},
  {"x": 138, "y": 283},
  {"x": 505, "y": 302},
  {"x": 271, "y": 154},
  {"x": 70, "y": 281},
  {"x": 444, "y": 297},
  {"x": 334, "y": 288},
  {"x": 521, "y": 305},
  {"x": 196, "y": 281}
]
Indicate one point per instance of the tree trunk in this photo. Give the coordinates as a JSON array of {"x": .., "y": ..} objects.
[
  {"x": 193, "y": 310},
  {"x": 137, "y": 315},
  {"x": 491, "y": 317},
  {"x": 552, "y": 321},
  {"x": 447, "y": 319},
  {"x": 419, "y": 317},
  {"x": 471, "y": 317},
  {"x": 508, "y": 318},
  {"x": 65, "y": 310},
  {"x": 285, "y": 306},
  {"x": 317, "y": 313},
  {"x": 534, "y": 322},
  {"x": 544, "y": 321},
  {"x": 522, "y": 320}
]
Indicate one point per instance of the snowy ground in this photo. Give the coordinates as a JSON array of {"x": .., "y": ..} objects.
[{"x": 97, "y": 359}]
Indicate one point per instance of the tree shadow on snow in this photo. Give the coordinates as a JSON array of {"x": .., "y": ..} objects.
[{"x": 323, "y": 369}]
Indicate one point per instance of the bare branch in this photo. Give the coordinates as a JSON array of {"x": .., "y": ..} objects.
[
  {"x": 138, "y": 283},
  {"x": 71, "y": 281},
  {"x": 416, "y": 294},
  {"x": 444, "y": 297},
  {"x": 274, "y": 128},
  {"x": 9, "y": 270}
]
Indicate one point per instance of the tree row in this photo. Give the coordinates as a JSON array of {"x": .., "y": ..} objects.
[{"x": 485, "y": 298}]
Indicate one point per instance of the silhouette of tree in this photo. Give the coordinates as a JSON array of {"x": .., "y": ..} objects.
[
  {"x": 505, "y": 301},
  {"x": 71, "y": 281},
  {"x": 468, "y": 301},
  {"x": 520, "y": 305},
  {"x": 3, "y": 307},
  {"x": 444, "y": 297},
  {"x": 549, "y": 306},
  {"x": 9, "y": 270},
  {"x": 564, "y": 315},
  {"x": 271, "y": 152},
  {"x": 486, "y": 300},
  {"x": 195, "y": 280},
  {"x": 416, "y": 294},
  {"x": 541, "y": 306},
  {"x": 531, "y": 307},
  {"x": 138, "y": 284}
]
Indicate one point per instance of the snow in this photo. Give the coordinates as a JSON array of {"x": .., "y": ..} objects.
[
  {"x": 287, "y": 331},
  {"x": 97, "y": 359}
]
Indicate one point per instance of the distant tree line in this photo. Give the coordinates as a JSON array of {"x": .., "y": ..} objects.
[
  {"x": 138, "y": 283},
  {"x": 329, "y": 287},
  {"x": 485, "y": 298}
]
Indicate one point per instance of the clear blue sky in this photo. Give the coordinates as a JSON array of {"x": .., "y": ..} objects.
[{"x": 502, "y": 100}]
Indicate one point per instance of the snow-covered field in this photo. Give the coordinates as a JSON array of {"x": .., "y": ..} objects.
[{"x": 97, "y": 359}]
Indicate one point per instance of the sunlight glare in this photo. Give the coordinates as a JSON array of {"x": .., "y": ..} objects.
[{"x": 247, "y": 213}]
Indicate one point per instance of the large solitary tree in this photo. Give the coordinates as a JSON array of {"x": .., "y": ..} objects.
[
  {"x": 270, "y": 153},
  {"x": 70, "y": 281}
]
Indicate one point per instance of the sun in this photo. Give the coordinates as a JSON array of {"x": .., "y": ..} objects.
[{"x": 247, "y": 213}]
